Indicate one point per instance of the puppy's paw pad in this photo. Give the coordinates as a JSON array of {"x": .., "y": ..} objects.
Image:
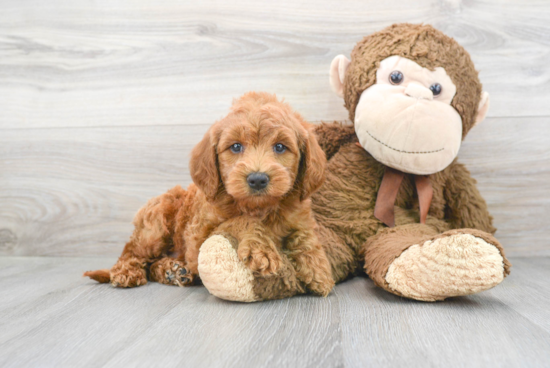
[
  {"x": 169, "y": 276},
  {"x": 185, "y": 277},
  {"x": 178, "y": 275}
]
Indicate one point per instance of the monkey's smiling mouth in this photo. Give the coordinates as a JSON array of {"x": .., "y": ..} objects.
[{"x": 401, "y": 151}]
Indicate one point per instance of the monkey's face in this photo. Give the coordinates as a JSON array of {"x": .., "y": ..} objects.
[{"x": 406, "y": 121}]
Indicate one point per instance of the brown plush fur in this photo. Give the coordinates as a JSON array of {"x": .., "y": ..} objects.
[
  {"x": 345, "y": 206},
  {"x": 352, "y": 236},
  {"x": 221, "y": 201}
]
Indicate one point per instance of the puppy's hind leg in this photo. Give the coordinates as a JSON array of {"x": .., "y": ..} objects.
[{"x": 152, "y": 238}]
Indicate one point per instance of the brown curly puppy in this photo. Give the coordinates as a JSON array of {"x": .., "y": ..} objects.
[{"x": 253, "y": 173}]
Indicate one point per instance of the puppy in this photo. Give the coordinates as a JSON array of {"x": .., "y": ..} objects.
[{"x": 253, "y": 173}]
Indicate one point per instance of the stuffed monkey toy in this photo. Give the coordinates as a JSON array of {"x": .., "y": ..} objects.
[{"x": 395, "y": 202}]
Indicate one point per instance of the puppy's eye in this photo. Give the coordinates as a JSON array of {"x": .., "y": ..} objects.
[
  {"x": 236, "y": 148},
  {"x": 279, "y": 148},
  {"x": 396, "y": 77},
  {"x": 436, "y": 88}
]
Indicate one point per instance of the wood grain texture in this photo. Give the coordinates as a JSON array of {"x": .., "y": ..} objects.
[
  {"x": 74, "y": 192},
  {"x": 148, "y": 62},
  {"x": 51, "y": 317},
  {"x": 380, "y": 329}
]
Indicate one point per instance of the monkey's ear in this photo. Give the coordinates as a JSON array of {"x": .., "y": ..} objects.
[
  {"x": 482, "y": 108},
  {"x": 338, "y": 69}
]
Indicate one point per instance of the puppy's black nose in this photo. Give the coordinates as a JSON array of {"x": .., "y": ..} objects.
[{"x": 257, "y": 180}]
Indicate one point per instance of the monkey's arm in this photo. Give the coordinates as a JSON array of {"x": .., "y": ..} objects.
[
  {"x": 466, "y": 208},
  {"x": 333, "y": 135}
]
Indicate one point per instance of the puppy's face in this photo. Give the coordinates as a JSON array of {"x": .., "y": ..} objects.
[
  {"x": 259, "y": 156},
  {"x": 263, "y": 151}
]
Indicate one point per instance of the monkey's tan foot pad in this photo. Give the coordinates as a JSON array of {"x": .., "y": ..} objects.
[
  {"x": 171, "y": 272},
  {"x": 222, "y": 273},
  {"x": 454, "y": 265}
]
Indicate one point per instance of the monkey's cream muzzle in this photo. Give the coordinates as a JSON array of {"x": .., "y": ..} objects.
[
  {"x": 413, "y": 135},
  {"x": 404, "y": 125}
]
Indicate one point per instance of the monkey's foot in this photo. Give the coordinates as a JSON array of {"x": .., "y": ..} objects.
[
  {"x": 458, "y": 262},
  {"x": 169, "y": 271},
  {"x": 222, "y": 273},
  {"x": 227, "y": 277}
]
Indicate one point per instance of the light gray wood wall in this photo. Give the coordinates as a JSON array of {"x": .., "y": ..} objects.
[{"x": 101, "y": 102}]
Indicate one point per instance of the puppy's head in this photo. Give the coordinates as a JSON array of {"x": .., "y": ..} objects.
[{"x": 259, "y": 153}]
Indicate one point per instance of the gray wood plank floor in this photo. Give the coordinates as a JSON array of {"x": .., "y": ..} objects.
[{"x": 51, "y": 317}]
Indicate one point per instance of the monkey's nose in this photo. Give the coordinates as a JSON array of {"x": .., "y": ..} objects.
[
  {"x": 257, "y": 180},
  {"x": 418, "y": 91}
]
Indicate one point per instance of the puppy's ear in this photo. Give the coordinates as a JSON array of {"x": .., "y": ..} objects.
[
  {"x": 312, "y": 164},
  {"x": 204, "y": 165}
]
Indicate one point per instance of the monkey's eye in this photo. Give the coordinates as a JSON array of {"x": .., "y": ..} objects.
[
  {"x": 279, "y": 148},
  {"x": 396, "y": 77},
  {"x": 236, "y": 148},
  {"x": 436, "y": 88}
]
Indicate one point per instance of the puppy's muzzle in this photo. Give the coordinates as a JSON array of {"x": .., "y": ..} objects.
[{"x": 257, "y": 181}]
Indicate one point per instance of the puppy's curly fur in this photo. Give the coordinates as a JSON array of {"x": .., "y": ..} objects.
[{"x": 259, "y": 135}]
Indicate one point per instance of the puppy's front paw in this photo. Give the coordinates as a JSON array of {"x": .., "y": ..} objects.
[
  {"x": 318, "y": 280},
  {"x": 321, "y": 286},
  {"x": 259, "y": 258}
]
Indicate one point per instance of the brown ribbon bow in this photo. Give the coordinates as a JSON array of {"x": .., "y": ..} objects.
[{"x": 385, "y": 201}]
